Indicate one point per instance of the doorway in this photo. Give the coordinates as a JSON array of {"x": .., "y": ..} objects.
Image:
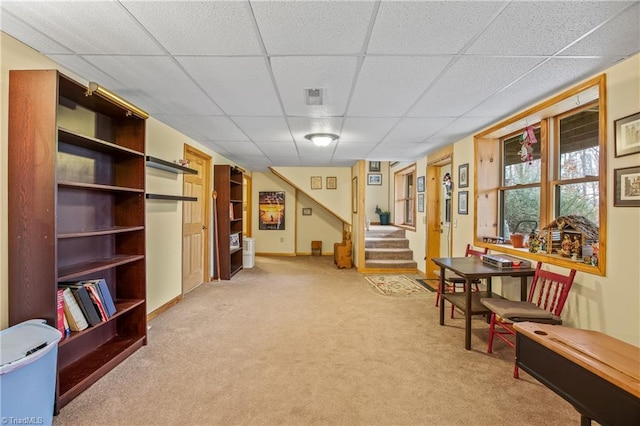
[
  {"x": 196, "y": 217},
  {"x": 439, "y": 213}
]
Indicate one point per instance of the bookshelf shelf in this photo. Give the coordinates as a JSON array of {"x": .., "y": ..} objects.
[{"x": 76, "y": 211}]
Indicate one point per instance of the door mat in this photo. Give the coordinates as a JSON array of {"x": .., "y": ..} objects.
[
  {"x": 425, "y": 284},
  {"x": 395, "y": 285}
]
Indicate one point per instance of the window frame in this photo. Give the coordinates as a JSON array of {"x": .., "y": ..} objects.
[
  {"x": 488, "y": 182},
  {"x": 402, "y": 198}
]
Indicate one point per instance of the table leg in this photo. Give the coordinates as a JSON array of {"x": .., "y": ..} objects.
[
  {"x": 523, "y": 288},
  {"x": 441, "y": 296},
  {"x": 490, "y": 293},
  {"x": 467, "y": 316}
]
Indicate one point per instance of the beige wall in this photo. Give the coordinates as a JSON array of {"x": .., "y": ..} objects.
[
  {"x": 320, "y": 226},
  {"x": 274, "y": 241},
  {"x": 610, "y": 304},
  {"x": 377, "y": 195}
]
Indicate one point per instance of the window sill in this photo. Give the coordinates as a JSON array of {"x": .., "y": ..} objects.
[{"x": 549, "y": 259}]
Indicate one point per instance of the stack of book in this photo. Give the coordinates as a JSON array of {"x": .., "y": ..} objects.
[{"x": 83, "y": 304}]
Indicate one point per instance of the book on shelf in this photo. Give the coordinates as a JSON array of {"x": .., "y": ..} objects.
[
  {"x": 231, "y": 211},
  {"x": 60, "y": 311},
  {"x": 84, "y": 301},
  {"x": 67, "y": 329},
  {"x": 105, "y": 295},
  {"x": 95, "y": 298},
  {"x": 77, "y": 321}
]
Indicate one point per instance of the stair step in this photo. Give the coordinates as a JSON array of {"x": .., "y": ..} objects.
[
  {"x": 388, "y": 253},
  {"x": 386, "y": 243},
  {"x": 390, "y": 264},
  {"x": 384, "y": 231}
]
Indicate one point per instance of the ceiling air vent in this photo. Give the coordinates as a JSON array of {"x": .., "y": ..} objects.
[{"x": 314, "y": 96}]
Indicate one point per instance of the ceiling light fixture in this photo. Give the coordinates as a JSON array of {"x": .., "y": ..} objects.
[{"x": 322, "y": 139}]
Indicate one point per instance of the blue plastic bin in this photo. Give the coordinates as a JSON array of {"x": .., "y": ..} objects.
[{"x": 28, "y": 358}]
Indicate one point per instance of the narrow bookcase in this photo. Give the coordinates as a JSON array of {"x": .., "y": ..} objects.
[
  {"x": 76, "y": 212},
  {"x": 229, "y": 204}
]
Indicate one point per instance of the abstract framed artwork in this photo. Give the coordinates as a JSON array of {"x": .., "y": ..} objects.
[
  {"x": 332, "y": 182},
  {"x": 627, "y": 187},
  {"x": 374, "y": 179},
  {"x": 463, "y": 175},
  {"x": 271, "y": 206},
  {"x": 316, "y": 182},
  {"x": 627, "y": 135}
]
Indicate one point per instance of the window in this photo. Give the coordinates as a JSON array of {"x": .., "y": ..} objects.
[
  {"x": 405, "y": 196},
  {"x": 563, "y": 173}
]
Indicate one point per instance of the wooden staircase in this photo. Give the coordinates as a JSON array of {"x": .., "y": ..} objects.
[{"x": 387, "y": 250}]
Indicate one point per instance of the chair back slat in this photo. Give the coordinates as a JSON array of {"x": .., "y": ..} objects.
[
  {"x": 470, "y": 251},
  {"x": 550, "y": 289}
]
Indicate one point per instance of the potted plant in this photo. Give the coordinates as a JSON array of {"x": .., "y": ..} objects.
[{"x": 384, "y": 215}]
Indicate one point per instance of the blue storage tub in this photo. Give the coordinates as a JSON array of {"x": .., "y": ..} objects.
[{"x": 28, "y": 358}]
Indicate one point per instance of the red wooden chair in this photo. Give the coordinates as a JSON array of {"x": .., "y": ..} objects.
[
  {"x": 547, "y": 296},
  {"x": 453, "y": 281}
]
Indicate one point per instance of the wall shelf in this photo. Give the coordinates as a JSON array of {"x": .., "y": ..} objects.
[
  {"x": 170, "y": 197},
  {"x": 157, "y": 163}
]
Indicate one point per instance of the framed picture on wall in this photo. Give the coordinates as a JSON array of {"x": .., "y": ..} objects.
[
  {"x": 421, "y": 202},
  {"x": 332, "y": 182},
  {"x": 627, "y": 187},
  {"x": 374, "y": 166},
  {"x": 271, "y": 207},
  {"x": 627, "y": 131},
  {"x": 463, "y": 202},
  {"x": 463, "y": 175},
  {"x": 420, "y": 184},
  {"x": 306, "y": 211},
  {"x": 316, "y": 182},
  {"x": 374, "y": 179}
]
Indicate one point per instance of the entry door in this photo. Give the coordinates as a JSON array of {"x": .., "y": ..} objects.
[
  {"x": 195, "y": 221},
  {"x": 439, "y": 232}
]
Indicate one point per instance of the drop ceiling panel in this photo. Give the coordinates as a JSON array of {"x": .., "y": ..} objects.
[
  {"x": 29, "y": 35},
  {"x": 542, "y": 28},
  {"x": 312, "y": 27},
  {"x": 240, "y": 86},
  {"x": 199, "y": 27},
  {"x": 416, "y": 129},
  {"x": 388, "y": 86},
  {"x": 427, "y": 27},
  {"x": 283, "y": 162},
  {"x": 460, "y": 128},
  {"x": 468, "y": 82},
  {"x": 361, "y": 129},
  {"x": 214, "y": 128},
  {"x": 353, "y": 150},
  {"x": 280, "y": 149},
  {"x": 334, "y": 74},
  {"x": 301, "y": 126},
  {"x": 265, "y": 129},
  {"x": 87, "y": 27},
  {"x": 240, "y": 148},
  {"x": 161, "y": 78},
  {"x": 395, "y": 152},
  {"x": 606, "y": 41},
  {"x": 87, "y": 71},
  {"x": 551, "y": 77}
]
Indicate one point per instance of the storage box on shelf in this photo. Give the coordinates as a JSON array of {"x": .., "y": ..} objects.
[{"x": 76, "y": 211}]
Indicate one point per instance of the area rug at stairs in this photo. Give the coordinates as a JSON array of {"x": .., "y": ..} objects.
[{"x": 395, "y": 285}]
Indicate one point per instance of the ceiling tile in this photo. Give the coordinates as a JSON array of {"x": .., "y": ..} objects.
[
  {"x": 551, "y": 77},
  {"x": 28, "y": 34},
  {"x": 199, "y": 27},
  {"x": 240, "y": 148},
  {"x": 285, "y": 161},
  {"x": 112, "y": 30},
  {"x": 280, "y": 149},
  {"x": 541, "y": 27},
  {"x": 265, "y": 129},
  {"x": 240, "y": 86},
  {"x": 606, "y": 41},
  {"x": 394, "y": 152},
  {"x": 85, "y": 70},
  {"x": 160, "y": 77},
  {"x": 388, "y": 86},
  {"x": 214, "y": 128},
  {"x": 361, "y": 129},
  {"x": 353, "y": 150},
  {"x": 428, "y": 27},
  {"x": 312, "y": 27},
  {"x": 301, "y": 126},
  {"x": 417, "y": 129},
  {"x": 460, "y": 128},
  {"x": 333, "y": 74},
  {"x": 469, "y": 81}
]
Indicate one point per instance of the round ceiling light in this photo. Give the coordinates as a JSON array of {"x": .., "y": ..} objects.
[{"x": 322, "y": 139}]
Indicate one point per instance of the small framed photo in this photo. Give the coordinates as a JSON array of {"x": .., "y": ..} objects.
[
  {"x": 234, "y": 240},
  {"x": 332, "y": 182},
  {"x": 374, "y": 179},
  {"x": 374, "y": 166},
  {"x": 463, "y": 202},
  {"x": 627, "y": 135},
  {"x": 420, "y": 183},
  {"x": 627, "y": 187},
  {"x": 316, "y": 182},
  {"x": 420, "y": 203},
  {"x": 354, "y": 194},
  {"x": 306, "y": 211},
  {"x": 463, "y": 175}
]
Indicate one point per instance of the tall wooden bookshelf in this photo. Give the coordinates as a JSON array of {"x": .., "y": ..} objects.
[
  {"x": 228, "y": 186},
  {"x": 76, "y": 211}
]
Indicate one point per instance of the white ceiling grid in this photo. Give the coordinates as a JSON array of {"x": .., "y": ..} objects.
[{"x": 400, "y": 78}]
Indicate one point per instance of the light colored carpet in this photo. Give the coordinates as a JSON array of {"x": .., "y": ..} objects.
[
  {"x": 395, "y": 285},
  {"x": 295, "y": 341}
]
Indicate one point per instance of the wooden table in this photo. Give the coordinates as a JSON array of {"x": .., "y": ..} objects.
[
  {"x": 598, "y": 374},
  {"x": 473, "y": 268}
]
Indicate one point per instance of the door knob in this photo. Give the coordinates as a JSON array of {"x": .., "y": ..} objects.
[{"x": 204, "y": 226}]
